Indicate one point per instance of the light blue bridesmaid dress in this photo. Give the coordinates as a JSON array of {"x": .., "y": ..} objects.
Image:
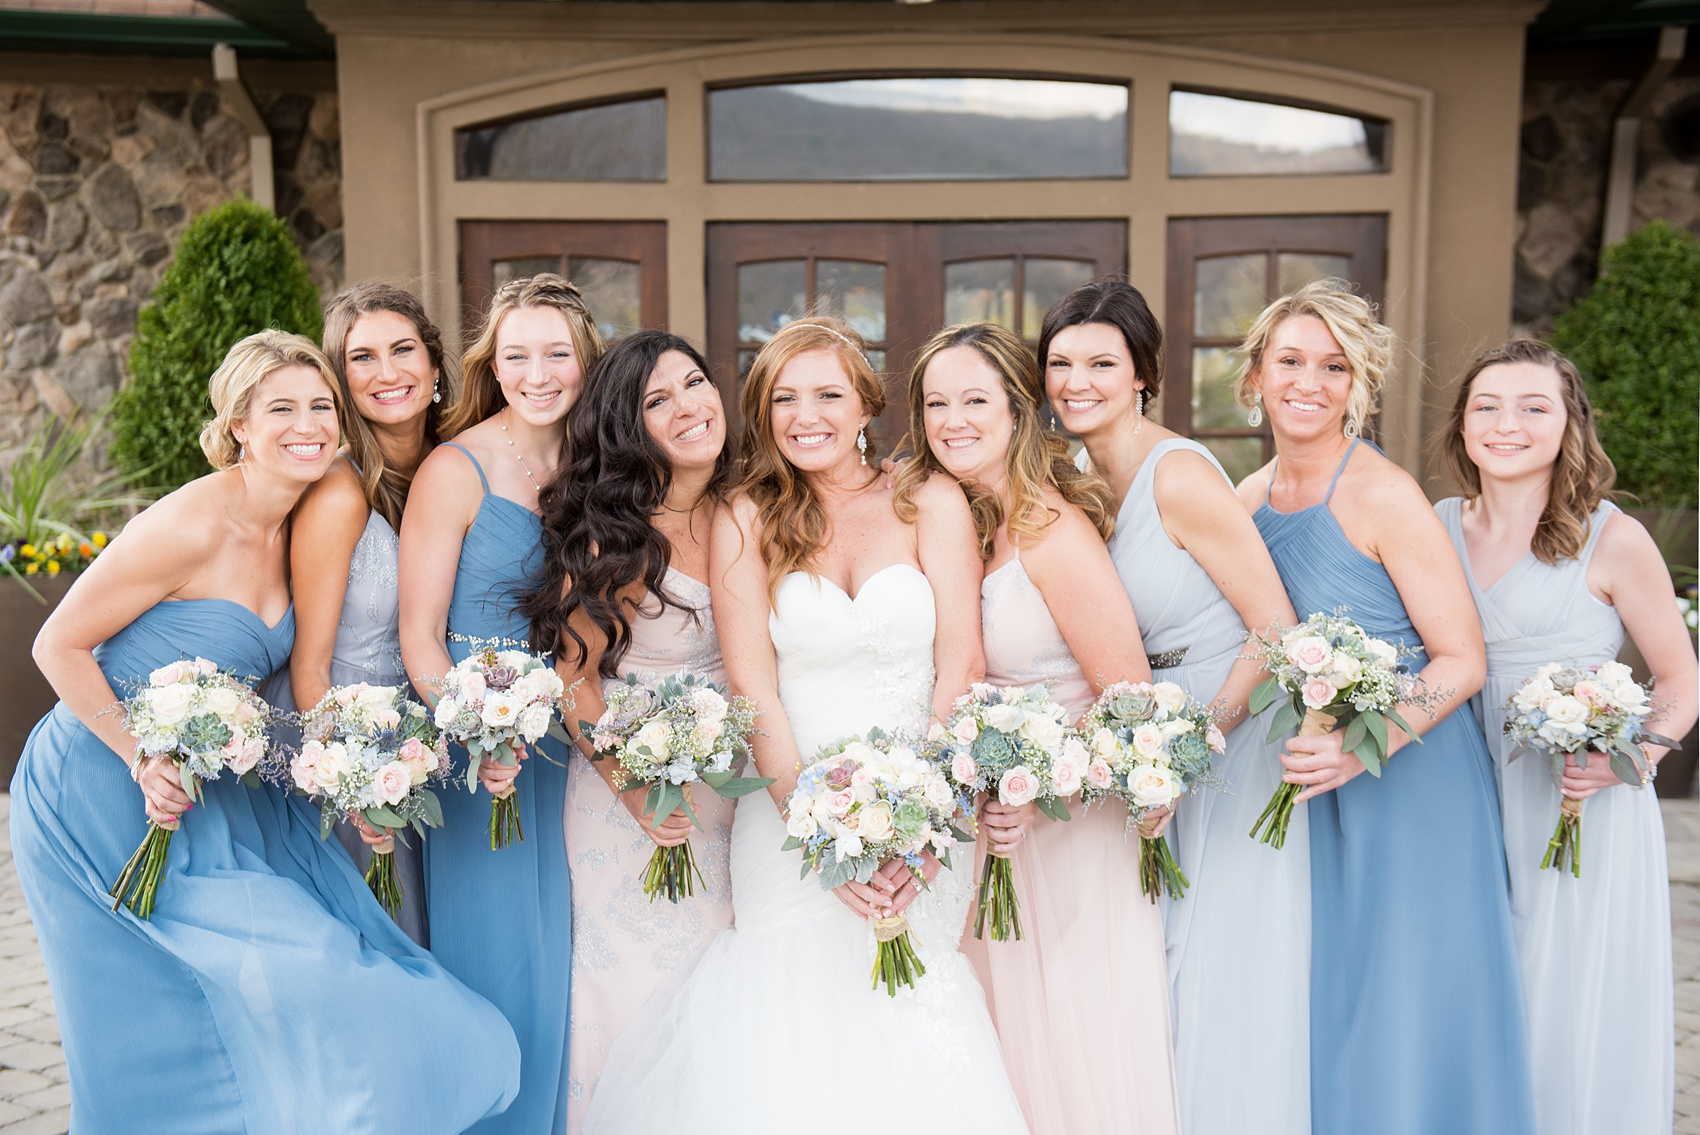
[
  {"x": 501, "y": 920},
  {"x": 1239, "y": 940},
  {"x": 1416, "y": 1010},
  {"x": 269, "y": 993}
]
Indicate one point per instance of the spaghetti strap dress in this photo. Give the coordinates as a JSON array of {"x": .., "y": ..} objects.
[
  {"x": 1416, "y": 1010},
  {"x": 1239, "y": 939},
  {"x": 264, "y": 995},
  {"x": 1600, "y": 1026},
  {"x": 501, "y": 920}
]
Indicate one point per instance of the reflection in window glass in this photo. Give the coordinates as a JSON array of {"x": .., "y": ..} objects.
[
  {"x": 770, "y": 295},
  {"x": 854, "y": 292},
  {"x": 1240, "y": 456},
  {"x": 980, "y": 291},
  {"x": 1218, "y": 134},
  {"x": 918, "y": 129},
  {"x": 505, "y": 271},
  {"x": 621, "y": 141},
  {"x": 610, "y": 290},
  {"x": 1044, "y": 282},
  {"x": 1213, "y": 373},
  {"x": 1293, "y": 270},
  {"x": 1229, "y": 295}
]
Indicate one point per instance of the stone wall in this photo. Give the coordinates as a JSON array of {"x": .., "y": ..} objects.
[
  {"x": 96, "y": 185},
  {"x": 1561, "y": 186}
]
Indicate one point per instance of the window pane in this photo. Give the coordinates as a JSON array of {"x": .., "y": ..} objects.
[
  {"x": 1240, "y": 456},
  {"x": 876, "y": 359},
  {"x": 504, "y": 271},
  {"x": 1293, "y": 270},
  {"x": 1229, "y": 295},
  {"x": 610, "y": 289},
  {"x": 1217, "y": 134},
  {"x": 1213, "y": 373},
  {"x": 622, "y": 141},
  {"x": 918, "y": 129},
  {"x": 1044, "y": 282},
  {"x": 770, "y": 295},
  {"x": 980, "y": 291},
  {"x": 853, "y": 292}
]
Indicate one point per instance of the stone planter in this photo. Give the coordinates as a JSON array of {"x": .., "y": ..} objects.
[{"x": 25, "y": 696}]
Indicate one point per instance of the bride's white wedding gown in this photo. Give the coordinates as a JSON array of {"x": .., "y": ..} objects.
[{"x": 778, "y": 1029}]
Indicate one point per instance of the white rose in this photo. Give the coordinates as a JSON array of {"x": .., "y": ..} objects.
[
  {"x": 1004, "y": 717},
  {"x": 1565, "y": 710},
  {"x": 500, "y": 710},
  {"x": 1168, "y": 696},
  {"x": 1043, "y": 732},
  {"x": 332, "y": 766},
  {"x": 538, "y": 685},
  {"x": 1104, "y": 744},
  {"x": 447, "y": 710},
  {"x": 1074, "y": 753},
  {"x": 936, "y": 791},
  {"x": 170, "y": 704},
  {"x": 1148, "y": 740},
  {"x": 534, "y": 722},
  {"x": 1152, "y": 786},
  {"x": 1630, "y": 696},
  {"x": 801, "y": 823},
  {"x": 874, "y": 822},
  {"x": 472, "y": 685},
  {"x": 708, "y": 704},
  {"x": 1173, "y": 729},
  {"x": 1614, "y": 674},
  {"x": 1559, "y": 735},
  {"x": 1066, "y": 777},
  {"x": 1344, "y": 670},
  {"x": 223, "y": 700},
  {"x": 654, "y": 735},
  {"x": 1384, "y": 653}
]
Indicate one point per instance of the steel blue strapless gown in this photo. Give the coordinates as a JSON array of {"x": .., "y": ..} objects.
[
  {"x": 1416, "y": 1006},
  {"x": 501, "y": 920},
  {"x": 269, "y": 993}
]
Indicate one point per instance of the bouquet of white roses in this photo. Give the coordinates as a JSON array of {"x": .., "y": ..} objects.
[
  {"x": 670, "y": 734},
  {"x": 1012, "y": 743},
  {"x": 1325, "y": 671},
  {"x": 1574, "y": 710},
  {"x": 861, "y": 803},
  {"x": 492, "y": 701},
  {"x": 1150, "y": 745},
  {"x": 369, "y": 750},
  {"x": 205, "y": 722}
]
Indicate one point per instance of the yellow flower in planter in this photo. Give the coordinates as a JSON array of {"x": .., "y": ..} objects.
[
  {"x": 53, "y": 567},
  {"x": 98, "y": 539},
  {"x": 30, "y": 569},
  {"x": 27, "y": 551}
]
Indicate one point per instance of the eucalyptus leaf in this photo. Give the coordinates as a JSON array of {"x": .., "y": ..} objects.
[
  {"x": 1393, "y": 716},
  {"x": 1286, "y": 720},
  {"x": 1052, "y": 807},
  {"x": 1265, "y": 695},
  {"x": 1355, "y": 732},
  {"x": 792, "y": 843},
  {"x": 1377, "y": 726},
  {"x": 327, "y": 821},
  {"x": 733, "y": 787},
  {"x": 384, "y": 818},
  {"x": 1625, "y": 768},
  {"x": 432, "y": 807}
]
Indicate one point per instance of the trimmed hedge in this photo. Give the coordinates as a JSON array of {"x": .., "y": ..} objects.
[
  {"x": 1636, "y": 339},
  {"x": 236, "y": 271}
]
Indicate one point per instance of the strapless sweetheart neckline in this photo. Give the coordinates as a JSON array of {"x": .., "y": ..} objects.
[{"x": 866, "y": 583}]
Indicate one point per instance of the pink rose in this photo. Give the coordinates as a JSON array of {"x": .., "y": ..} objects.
[
  {"x": 1590, "y": 692},
  {"x": 204, "y": 668},
  {"x": 301, "y": 768},
  {"x": 386, "y": 718},
  {"x": 965, "y": 730},
  {"x": 1317, "y": 692},
  {"x": 1310, "y": 653},
  {"x": 1100, "y": 776},
  {"x": 839, "y": 802},
  {"x": 391, "y": 783},
  {"x": 240, "y": 756},
  {"x": 1017, "y": 786},
  {"x": 171, "y": 673},
  {"x": 414, "y": 753},
  {"x": 1074, "y": 753},
  {"x": 1214, "y": 739},
  {"x": 1065, "y": 778},
  {"x": 963, "y": 768},
  {"x": 1148, "y": 740}
]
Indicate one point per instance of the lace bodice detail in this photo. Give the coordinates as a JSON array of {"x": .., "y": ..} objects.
[
  {"x": 1023, "y": 645},
  {"x": 368, "y": 631}
]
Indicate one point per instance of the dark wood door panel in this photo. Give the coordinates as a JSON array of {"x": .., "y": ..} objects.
[{"x": 552, "y": 246}]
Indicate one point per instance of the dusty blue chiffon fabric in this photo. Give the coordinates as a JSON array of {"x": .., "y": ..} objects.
[
  {"x": 501, "y": 920},
  {"x": 1416, "y": 1005},
  {"x": 269, "y": 993}
]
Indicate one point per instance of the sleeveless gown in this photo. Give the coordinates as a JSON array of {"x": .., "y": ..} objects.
[
  {"x": 626, "y": 948},
  {"x": 1600, "y": 1026},
  {"x": 269, "y": 990},
  {"x": 1416, "y": 1014},
  {"x": 1081, "y": 1003},
  {"x": 777, "y": 1030},
  {"x": 501, "y": 920},
  {"x": 368, "y": 649},
  {"x": 1239, "y": 939}
]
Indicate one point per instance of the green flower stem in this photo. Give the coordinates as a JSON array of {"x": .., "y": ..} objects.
[
  {"x": 998, "y": 901},
  {"x": 672, "y": 871},
  {"x": 1277, "y": 815},
  {"x": 1564, "y": 850},
  {"x": 138, "y": 884},
  {"x": 381, "y": 877},
  {"x": 896, "y": 962},
  {"x": 1158, "y": 870},
  {"x": 504, "y": 820}
]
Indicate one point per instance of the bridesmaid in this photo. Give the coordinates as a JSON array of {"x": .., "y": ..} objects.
[
  {"x": 1198, "y": 574},
  {"x": 1416, "y": 1014},
  {"x": 625, "y": 541},
  {"x": 1566, "y": 574},
  {"x": 1081, "y": 1002},
  {"x": 394, "y": 378},
  {"x": 501, "y": 920},
  {"x": 259, "y": 995}
]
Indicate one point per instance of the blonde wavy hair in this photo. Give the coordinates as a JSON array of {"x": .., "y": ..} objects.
[
  {"x": 1582, "y": 476},
  {"x": 790, "y": 518},
  {"x": 1366, "y": 342},
  {"x": 1037, "y": 457},
  {"x": 480, "y": 393},
  {"x": 245, "y": 366}
]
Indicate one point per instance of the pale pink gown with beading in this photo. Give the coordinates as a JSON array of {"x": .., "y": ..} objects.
[
  {"x": 625, "y": 947},
  {"x": 1081, "y": 1003}
]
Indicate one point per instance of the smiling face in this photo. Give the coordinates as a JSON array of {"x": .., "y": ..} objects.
[
  {"x": 1514, "y": 420},
  {"x": 683, "y": 413},
  {"x": 1090, "y": 378},
  {"x": 817, "y": 413},
  {"x": 290, "y": 429},
  {"x": 1305, "y": 380},
  {"x": 536, "y": 364},
  {"x": 390, "y": 375},
  {"x": 968, "y": 418}
]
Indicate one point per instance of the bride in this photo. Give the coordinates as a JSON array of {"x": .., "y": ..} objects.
[{"x": 835, "y": 616}]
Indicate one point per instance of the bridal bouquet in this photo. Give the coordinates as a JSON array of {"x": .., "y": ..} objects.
[
  {"x": 1012, "y": 743},
  {"x": 668, "y": 735},
  {"x": 1150, "y": 745},
  {"x": 492, "y": 702},
  {"x": 369, "y": 750},
  {"x": 205, "y": 722},
  {"x": 1572, "y": 711},
  {"x": 1325, "y": 671},
  {"x": 862, "y": 802}
]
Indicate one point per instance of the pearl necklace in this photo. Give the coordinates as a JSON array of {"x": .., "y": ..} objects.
[{"x": 517, "y": 457}]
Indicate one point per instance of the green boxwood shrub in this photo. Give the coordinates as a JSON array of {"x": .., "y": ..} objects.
[
  {"x": 236, "y": 271},
  {"x": 1636, "y": 339}
]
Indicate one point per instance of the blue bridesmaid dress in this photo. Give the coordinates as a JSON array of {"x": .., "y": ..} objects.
[
  {"x": 269, "y": 993},
  {"x": 1416, "y": 1006},
  {"x": 501, "y": 920}
]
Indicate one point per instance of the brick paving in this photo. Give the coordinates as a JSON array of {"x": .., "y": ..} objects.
[{"x": 34, "y": 1098}]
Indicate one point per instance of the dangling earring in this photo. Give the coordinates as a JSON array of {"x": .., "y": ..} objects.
[
  {"x": 1138, "y": 412},
  {"x": 437, "y": 389},
  {"x": 862, "y": 443},
  {"x": 1351, "y": 427},
  {"x": 1255, "y": 418},
  {"x": 241, "y": 451}
]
